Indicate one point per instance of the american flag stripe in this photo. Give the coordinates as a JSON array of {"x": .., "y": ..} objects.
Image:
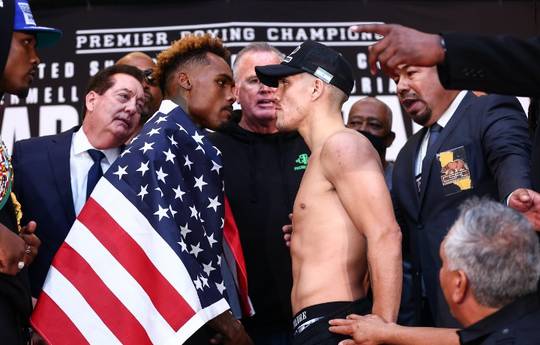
[
  {"x": 56, "y": 316},
  {"x": 141, "y": 231},
  {"x": 232, "y": 239},
  {"x": 134, "y": 233},
  {"x": 79, "y": 313},
  {"x": 133, "y": 258},
  {"x": 118, "y": 280},
  {"x": 113, "y": 313}
]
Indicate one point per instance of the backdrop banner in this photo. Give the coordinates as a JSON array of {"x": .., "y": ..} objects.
[{"x": 95, "y": 37}]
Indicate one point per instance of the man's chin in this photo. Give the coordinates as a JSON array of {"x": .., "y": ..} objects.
[
  {"x": 421, "y": 119},
  {"x": 22, "y": 93},
  {"x": 283, "y": 127}
]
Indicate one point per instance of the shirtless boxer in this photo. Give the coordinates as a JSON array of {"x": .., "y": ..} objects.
[{"x": 344, "y": 226}]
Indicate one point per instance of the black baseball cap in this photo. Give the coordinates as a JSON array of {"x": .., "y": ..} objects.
[{"x": 315, "y": 58}]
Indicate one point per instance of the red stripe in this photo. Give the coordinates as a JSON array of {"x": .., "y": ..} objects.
[
  {"x": 53, "y": 324},
  {"x": 232, "y": 237},
  {"x": 169, "y": 303},
  {"x": 109, "y": 308}
]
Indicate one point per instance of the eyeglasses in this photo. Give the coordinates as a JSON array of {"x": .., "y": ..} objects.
[{"x": 149, "y": 76}]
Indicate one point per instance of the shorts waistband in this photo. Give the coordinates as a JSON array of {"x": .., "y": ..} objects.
[{"x": 309, "y": 315}]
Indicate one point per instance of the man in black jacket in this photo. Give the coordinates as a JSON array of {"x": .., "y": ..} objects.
[
  {"x": 263, "y": 170},
  {"x": 19, "y": 37}
]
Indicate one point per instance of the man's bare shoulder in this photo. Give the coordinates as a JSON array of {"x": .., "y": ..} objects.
[{"x": 346, "y": 147}]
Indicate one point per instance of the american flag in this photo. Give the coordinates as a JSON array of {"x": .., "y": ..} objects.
[{"x": 141, "y": 264}]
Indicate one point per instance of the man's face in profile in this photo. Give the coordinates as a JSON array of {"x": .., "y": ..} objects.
[
  {"x": 21, "y": 65},
  {"x": 211, "y": 95},
  {"x": 420, "y": 93}
]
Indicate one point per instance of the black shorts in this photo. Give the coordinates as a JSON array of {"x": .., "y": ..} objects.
[{"x": 311, "y": 324}]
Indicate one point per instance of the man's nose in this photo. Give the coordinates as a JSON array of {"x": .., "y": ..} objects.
[
  {"x": 131, "y": 106},
  {"x": 230, "y": 95},
  {"x": 34, "y": 57},
  {"x": 266, "y": 89},
  {"x": 363, "y": 125},
  {"x": 402, "y": 85}
]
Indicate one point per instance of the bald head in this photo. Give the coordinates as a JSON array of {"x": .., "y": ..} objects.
[
  {"x": 152, "y": 92},
  {"x": 138, "y": 59},
  {"x": 371, "y": 115}
]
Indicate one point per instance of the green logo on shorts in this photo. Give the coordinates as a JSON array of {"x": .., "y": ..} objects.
[{"x": 301, "y": 162}]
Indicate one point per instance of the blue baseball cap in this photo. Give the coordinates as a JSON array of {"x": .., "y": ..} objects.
[{"x": 24, "y": 21}]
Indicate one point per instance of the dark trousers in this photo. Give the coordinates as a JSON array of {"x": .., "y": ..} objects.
[{"x": 11, "y": 330}]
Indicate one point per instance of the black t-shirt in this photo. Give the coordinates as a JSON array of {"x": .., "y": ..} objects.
[{"x": 517, "y": 323}]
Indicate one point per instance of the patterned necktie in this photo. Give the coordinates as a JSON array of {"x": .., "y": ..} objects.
[{"x": 95, "y": 172}]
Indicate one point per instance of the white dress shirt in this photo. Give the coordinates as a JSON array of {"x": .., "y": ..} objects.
[{"x": 79, "y": 164}]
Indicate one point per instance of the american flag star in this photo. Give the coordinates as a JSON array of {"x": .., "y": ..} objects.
[
  {"x": 143, "y": 168},
  {"x": 153, "y": 131},
  {"x": 147, "y": 147}
]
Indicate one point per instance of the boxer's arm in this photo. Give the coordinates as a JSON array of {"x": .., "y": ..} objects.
[{"x": 351, "y": 164}]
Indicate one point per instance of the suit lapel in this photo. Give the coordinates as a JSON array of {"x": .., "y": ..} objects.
[
  {"x": 406, "y": 172},
  {"x": 58, "y": 151},
  {"x": 430, "y": 165}
]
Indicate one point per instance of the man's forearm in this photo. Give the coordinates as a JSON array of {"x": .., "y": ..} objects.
[
  {"x": 402, "y": 335},
  {"x": 385, "y": 265}
]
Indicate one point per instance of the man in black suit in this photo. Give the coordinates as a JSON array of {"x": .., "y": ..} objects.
[
  {"x": 469, "y": 146},
  {"x": 498, "y": 64},
  {"x": 55, "y": 174}
]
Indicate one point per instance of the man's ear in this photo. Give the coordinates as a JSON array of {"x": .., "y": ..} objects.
[
  {"x": 183, "y": 80},
  {"x": 90, "y": 100},
  {"x": 389, "y": 139},
  {"x": 460, "y": 285},
  {"x": 317, "y": 90},
  {"x": 236, "y": 90}
]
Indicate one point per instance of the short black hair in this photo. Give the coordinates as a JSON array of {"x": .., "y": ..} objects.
[{"x": 103, "y": 81}]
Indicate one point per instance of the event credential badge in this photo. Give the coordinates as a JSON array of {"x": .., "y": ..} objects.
[{"x": 455, "y": 173}]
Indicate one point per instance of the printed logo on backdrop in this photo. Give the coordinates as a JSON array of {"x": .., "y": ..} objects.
[
  {"x": 233, "y": 34},
  {"x": 54, "y": 101}
]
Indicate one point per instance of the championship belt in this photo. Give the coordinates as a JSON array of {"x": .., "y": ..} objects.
[
  {"x": 6, "y": 183},
  {"x": 6, "y": 175}
]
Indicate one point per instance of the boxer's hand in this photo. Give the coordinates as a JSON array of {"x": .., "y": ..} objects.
[
  {"x": 31, "y": 240},
  {"x": 12, "y": 248},
  {"x": 287, "y": 232},
  {"x": 231, "y": 331},
  {"x": 527, "y": 202}
]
